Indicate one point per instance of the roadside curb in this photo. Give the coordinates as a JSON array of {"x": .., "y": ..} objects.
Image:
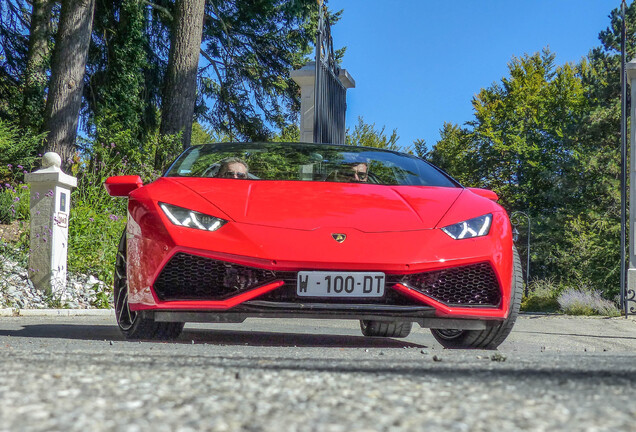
[{"x": 9, "y": 312}]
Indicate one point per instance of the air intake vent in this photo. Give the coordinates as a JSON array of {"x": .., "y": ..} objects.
[
  {"x": 467, "y": 286},
  {"x": 191, "y": 277}
]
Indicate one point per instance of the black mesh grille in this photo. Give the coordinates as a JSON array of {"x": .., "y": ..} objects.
[
  {"x": 468, "y": 285},
  {"x": 191, "y": 277}
]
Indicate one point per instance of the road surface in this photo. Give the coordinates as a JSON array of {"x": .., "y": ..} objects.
[{"x": 78, "y": 373}]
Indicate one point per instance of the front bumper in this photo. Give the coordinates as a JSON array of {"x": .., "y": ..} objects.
[{"x": 198, "y": 282}]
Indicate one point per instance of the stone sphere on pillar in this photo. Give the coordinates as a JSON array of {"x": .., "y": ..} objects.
[{"x": 51, "y": 159}]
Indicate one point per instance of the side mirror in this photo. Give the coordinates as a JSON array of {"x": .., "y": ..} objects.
[
  {"x": 122, "y": 186},
  {"x": 486, "y": 193}
]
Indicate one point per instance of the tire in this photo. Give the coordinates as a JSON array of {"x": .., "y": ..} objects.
[
  {"x": 492, "y": 337},
  {"x": 132, "y": 324},
  {"x": 393, "y": 329}
]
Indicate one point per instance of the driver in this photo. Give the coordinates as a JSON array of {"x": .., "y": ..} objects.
[{"x": 233, "y": 167}]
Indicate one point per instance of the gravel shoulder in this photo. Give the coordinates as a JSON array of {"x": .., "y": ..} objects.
[{"x": 18, "y": 292}]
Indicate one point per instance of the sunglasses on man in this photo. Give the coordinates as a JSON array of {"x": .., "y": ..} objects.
[
  {"x": 234, "y": 174},
  {"x": 354, "y": 175}
]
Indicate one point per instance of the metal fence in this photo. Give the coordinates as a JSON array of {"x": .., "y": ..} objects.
[{"x": 330, "y": 103}]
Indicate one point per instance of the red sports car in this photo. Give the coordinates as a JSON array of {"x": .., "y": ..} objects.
[{"x": 233, "y": 231}]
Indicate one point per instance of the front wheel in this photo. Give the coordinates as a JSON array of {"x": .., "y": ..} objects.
[
  {"x": 131, "y": 323},
  {"x": 492, "y": 337}
]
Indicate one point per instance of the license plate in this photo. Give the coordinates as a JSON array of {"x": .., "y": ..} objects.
[{"x": 340, "y": 284}]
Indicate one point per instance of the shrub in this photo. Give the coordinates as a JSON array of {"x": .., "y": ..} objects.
[
  {"x": 92, "y": 241},
  {"x": 17, "y": 149},
  {"x": 7, "y": 210},
  {"x": 21, "y": 197},
  {"x": 97, "y": 220},
  {"x": 542, "y": 297},
  {"x": 14, "y": 203},
  {"x": 577, "y": 301}
]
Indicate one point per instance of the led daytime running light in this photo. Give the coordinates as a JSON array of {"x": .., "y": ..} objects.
[
  {"x": 189, "y": 218},
  {"x": 476, "y": 227}
]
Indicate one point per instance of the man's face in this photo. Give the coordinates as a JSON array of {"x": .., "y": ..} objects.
[
  {"x": 235, "y": 170},
  {"x": 360, "y": 172}
]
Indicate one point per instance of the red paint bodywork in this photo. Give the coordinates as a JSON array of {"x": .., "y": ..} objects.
[{"x": 287, "y": 225}]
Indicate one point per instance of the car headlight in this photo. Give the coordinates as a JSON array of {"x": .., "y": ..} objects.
[
  {"x": 191, "y": 219},
  {"x": 475, "y": 227}
]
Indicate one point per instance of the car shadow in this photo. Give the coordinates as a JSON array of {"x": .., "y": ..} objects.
[
  {"x": 210, "y": 337},
  {"x": 66, "y": 331},
  {"x": 262, "y": 338}
]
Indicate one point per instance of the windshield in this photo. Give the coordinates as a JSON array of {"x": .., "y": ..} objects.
[{"x": 306, "y": 162}]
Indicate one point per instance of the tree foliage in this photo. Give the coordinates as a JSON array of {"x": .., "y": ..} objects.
[
  {"x": 14, "y": 28},
  {"x": 243, "y": 86},
  {"x": 250, "y": 47},
  {"x": 365, "y": 134},
  {"x": 117, "y": 90},
  {"x": 546, "y": 138},
  {"x": 38, "y": 60}
]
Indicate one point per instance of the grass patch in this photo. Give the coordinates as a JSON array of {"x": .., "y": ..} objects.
[{"x": 534, "y": 303}]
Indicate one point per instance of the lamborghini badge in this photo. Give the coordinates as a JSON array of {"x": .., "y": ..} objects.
[{"x": 339, "y": 237}]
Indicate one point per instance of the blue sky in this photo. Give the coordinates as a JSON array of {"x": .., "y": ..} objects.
[{"x": 418, "y": 63}]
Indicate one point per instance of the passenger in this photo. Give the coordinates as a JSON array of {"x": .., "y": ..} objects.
[
  {"x": 233, "y": 167},
  {"x": 360, "y": 172}
]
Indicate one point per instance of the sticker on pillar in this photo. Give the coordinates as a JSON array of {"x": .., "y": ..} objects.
[
  {"x": 61, "y": 220},
  {"x": 63, "y": 202}
]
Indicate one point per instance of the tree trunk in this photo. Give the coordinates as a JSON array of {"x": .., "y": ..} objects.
[
  {"x": 35, "y": 78},
  {"x": 67, "y": 77},
  {"x": 179, "y": 96}
]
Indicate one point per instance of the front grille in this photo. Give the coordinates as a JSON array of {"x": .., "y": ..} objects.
[
  {"x": 472, "y": 285},
  {"x": 191, "y": 277}
]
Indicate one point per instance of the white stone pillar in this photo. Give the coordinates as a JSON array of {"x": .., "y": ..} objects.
[
  {"x": 50, "y": 207},
  {"x": 630, "y": 298},
  {"x": 306, "y": 78}
]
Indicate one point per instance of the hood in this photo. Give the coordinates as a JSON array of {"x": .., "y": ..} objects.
[{"x": 313, "y": 205}]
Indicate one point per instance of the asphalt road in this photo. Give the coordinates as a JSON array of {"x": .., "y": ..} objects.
[{"x": 77, "y": 373}]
